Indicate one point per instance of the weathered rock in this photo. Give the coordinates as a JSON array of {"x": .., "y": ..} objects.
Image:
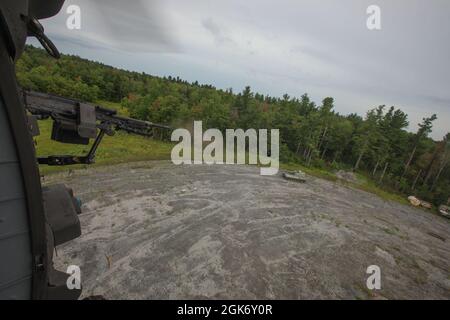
[
  {"x": 445, "y": 211},
  {"x": 153, "y": 230},
  {"x": 414, "y": 201},
  {"x": 297, "y": 176},
  {"x": 347, "y": 176},
  {"x": 425, "y": 204}
]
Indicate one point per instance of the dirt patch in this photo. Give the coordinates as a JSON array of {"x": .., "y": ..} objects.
[
  {"x": 159, "y": 231},
  {"x": 347, "y": 176}
]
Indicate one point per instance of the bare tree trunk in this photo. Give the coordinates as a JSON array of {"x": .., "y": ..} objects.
[
  {"x": 309, "y": 158},
  {"x": 375, "y": 169},
  {"x": 307, "y": 154},
  {"x": 363, "y": 150},
  {"x": 323, "y": 137},
  {"x": 415, "y": 180},
  {"x": 324, "y": 151},
  {"x": 429, "y": 170},
  {"x": 384, "y": 171},
  {"x": 427, "y": 177},
  {"x": 409, "y": 162},
  {"x": 437, "y": 178},
  {"x": 298, "y": 148},
  {"x": 358, "y": 161},
  {"x": 443, "y": 164}
]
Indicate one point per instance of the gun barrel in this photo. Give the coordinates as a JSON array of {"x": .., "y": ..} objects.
[
  {"x": 65, "y": 109},
  {"x": 141, "y": 123}
]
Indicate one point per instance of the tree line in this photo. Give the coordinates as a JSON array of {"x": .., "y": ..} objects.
[{"x": 376, "y": 145}]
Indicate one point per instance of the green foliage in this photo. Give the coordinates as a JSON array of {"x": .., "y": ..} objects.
[{"x": 314, "y": 137}]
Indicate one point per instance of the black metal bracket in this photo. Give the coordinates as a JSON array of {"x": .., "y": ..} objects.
[
  {"x": 66, "y": 160},
  {"x": 36, "y": 29}
]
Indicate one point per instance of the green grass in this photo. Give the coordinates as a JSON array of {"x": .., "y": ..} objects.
[
  {"x": 370, "y": 186},
  {"x": 363, "y": 183},
  {"x": 315, "y": 172},
  {"x": 367, "y": 184}
]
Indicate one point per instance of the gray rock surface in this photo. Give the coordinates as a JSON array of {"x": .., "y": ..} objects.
[{"x": 152, "y": 230}]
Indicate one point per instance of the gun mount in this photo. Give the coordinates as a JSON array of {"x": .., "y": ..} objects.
[{"x": 77, "y": 122}]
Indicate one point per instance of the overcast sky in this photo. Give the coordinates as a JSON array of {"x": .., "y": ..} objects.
[{"x": 320, "y": 47}]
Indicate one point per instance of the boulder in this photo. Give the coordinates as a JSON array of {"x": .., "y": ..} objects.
[
  {"x": 414, "y": 201},
  {"x": 426, "y": 205},
  {"x": 445, "y": 211}
]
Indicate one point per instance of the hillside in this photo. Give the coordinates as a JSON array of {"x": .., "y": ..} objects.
[{"x": 313, "y": 135}]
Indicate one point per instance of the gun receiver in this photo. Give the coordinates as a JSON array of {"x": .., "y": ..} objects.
[{"x": 77, "y": 122}]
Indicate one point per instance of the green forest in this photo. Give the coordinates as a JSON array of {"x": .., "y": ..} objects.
[{"x": 313, "y": 134}]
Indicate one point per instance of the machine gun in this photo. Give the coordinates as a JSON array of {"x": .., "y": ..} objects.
[{"x": 77, "y": 122}]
